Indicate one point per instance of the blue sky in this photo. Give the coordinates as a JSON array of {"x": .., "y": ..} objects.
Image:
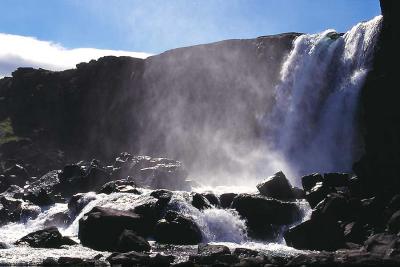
[
  {"x": 58, "y": 34},
  {"x": 157, "y": 25}
]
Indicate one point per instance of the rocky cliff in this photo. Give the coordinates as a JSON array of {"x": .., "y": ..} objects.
[
  {"x": 380, "y": 166},
  {"x": 143, "y": 106}
]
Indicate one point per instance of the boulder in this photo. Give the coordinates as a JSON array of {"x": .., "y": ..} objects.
[
  {"x": 41, "y": 192},
  {"x": 318, "y": 193},
  {"x": 177, "y": 229},
  {"x": 151, "y": 210},
  {"x": 226, "y": 199},
  {"x": 3, "y": 245},
  {"x": 261, "y": 213},
  {"x": 101, "y": 227},
  {"x": 119, "y": 186},
  {"x": 200, "y": 202},
  {"x": 355, "y": 232},
  {"x": 309, "y": 181},
  {"x": 276, "y": 186},
  {"x": 245, "y": 252},
  {"x": 335, "y": 207},
  {"x": 213, "y": 254},
  {"x": 13, "y": 191},
  {"x": 335, "y": 179},
  {"x": 316, "y": 234},
  {"x": 298, "y": 193},
  {"x": 393, "y": 224},
  {"x": 16, "y": 210},
  {"x": 60, "y": 219},
  {"x": 130, "y": 241},
  {"x": 212, "y": 198},
  {"x": 46, "y": 238},
  {"x": 162, "y": 194}
]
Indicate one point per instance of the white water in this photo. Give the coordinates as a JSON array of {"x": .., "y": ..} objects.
[{"x": 313, "y": 125}]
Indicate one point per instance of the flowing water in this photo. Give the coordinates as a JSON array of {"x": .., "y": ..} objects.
[{"x": 312, "y": 128}]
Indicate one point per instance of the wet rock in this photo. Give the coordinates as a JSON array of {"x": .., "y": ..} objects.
[
  {"x": 3, "y": 245},
  {"x": 60, "y": 219},
  {"x": 212, "y": 198},
  {"x": 101, "y": 227},
  {"x": 309, "y": 181},
  {"x": 335, "y": 207},
  {"x": 119, "y": 186},
  {"x": 316, "y": 234},
  {"x": 177, "y": 229},
  {"x": 226, "y": 199},
  {"x": 276, "y": 186},
  {"x": 213, "y": 254},
  {"x": 298, "y": 193},
  {"x": 262, "y": 212},
  {"x": 383, "y": 244},
  {"x": 69, "y": 172},
  {"x": 70, "y": 261},
  {"x": 13, "y": 191},
  {"x": 49, "y": 261},
  {"x": 355, "y": 232},
  {"x": 40, "y": 197},
  {"x": 15, "y": 210},
  {"x": 318, "y": 193},
  {"x": 46, "y": 238},
  {"x": 162, "y": 194},
  {"x": 393, "y": 224},
  {"x": 152, "y": 210},
  {"x": 200, "y": 202},
  {"x": 170, "y": 176},
  {"x": 131, "y": 258},
  {"x": 245, "y": 252},
  {"x": 129, "y": 241},
  {"x": 16, "y": 175},
  {"x": 78, "y": 201}
]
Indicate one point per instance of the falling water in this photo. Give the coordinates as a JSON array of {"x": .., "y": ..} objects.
[{"x": 314, "y": 123}]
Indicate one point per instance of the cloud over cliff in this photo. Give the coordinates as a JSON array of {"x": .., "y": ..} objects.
[{"x": 24, "y": 51}]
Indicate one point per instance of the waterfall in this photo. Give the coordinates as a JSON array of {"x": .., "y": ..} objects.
[{"x": 314, "y": 123}]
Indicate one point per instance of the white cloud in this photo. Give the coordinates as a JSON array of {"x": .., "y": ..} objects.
[{"x": 23, "y": 51}]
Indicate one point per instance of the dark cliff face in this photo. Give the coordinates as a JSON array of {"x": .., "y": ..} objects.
[
  {"x": 380, "y": 166},
  {"x": 125, "y": 104}
]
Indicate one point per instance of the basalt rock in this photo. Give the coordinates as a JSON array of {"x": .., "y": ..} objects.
[
  {"x": 177, "y": 229},
  {"x": 276, "y": 186},
  {"x": 261, "y": 213},
  {"x": 46, "y": 238},
  {"x": 130, "y": 241},
  {"x": 226, "y": 199},
  {"x": 119, "y": 186},
  {"x": 200, "y": 202},
  {"x": 101, "y": 227},
  {"x": 316, "y": 234}
]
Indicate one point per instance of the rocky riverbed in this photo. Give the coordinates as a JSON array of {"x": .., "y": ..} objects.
[{"x": 119, "y": 219}]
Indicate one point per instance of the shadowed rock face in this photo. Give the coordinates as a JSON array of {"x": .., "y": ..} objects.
[
  {"x": 168, "y": 104},
  {"x": 380, "y": 166}
]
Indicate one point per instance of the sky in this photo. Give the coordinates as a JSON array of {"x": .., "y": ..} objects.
[{"x": 51, "y": 34}]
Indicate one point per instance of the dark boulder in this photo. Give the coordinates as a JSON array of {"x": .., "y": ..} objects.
[
  {"x": 212, "y": 198},
  {"x": 355, "y": 232},
  {"x": 130, "y": 241},
  {"x": 3, "y": 245},
  {"x": 14, "y": 191},
  {"x": 119, "y": 186},
  {"x": 316, "y": 234},
  {"x": 335, "y": 207},
  {"x": 41, "y": 192},
  {"x": 309, "y": 181},
  {"x": 162, "y": 194},
  {"x": 151, "y": 210},
  {"x": 318, "y": 193},
  {"x": 177, "y": 229},
  {"x": 15, "y": 210},
  {"x": 226, "y": 199},
  {"x": 200, "y": 202},
  {"x": 101, "y": 227},
  {"x": 335, "y": 179},
  {"x": 276, "y": 186},
  {"x": 261, "y": 213},
  {"x": 46, "y": 238},
  {"x": 69, "y": 172},
  {"x": 40, "y": 197},
  {"x": 170, "y": 176},
  {"x": 393, "y": 224}
]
